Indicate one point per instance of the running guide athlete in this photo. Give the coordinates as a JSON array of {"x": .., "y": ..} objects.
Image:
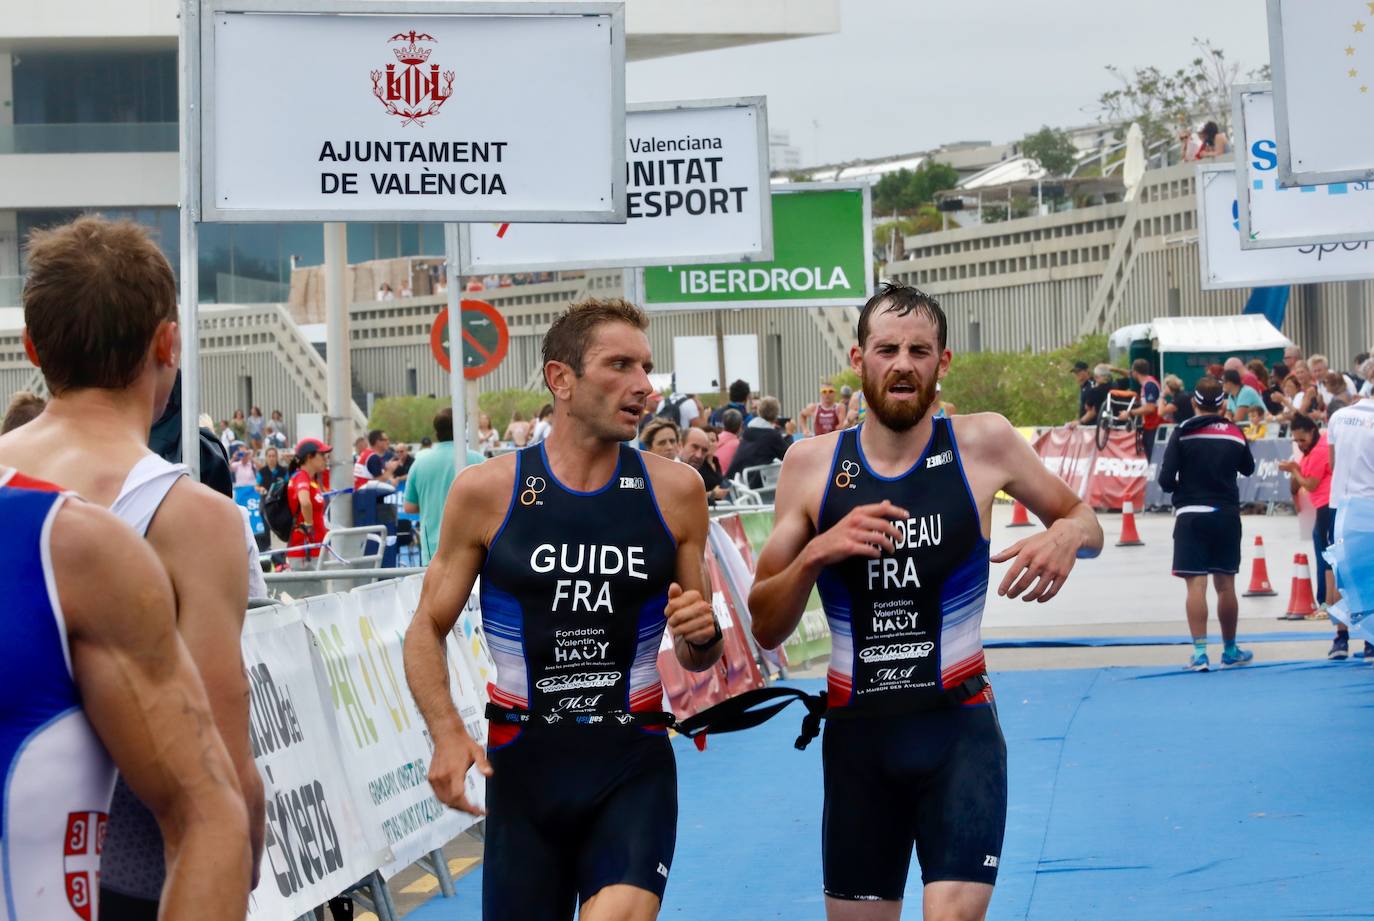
[
  {"x": 890, "y": 520},
  {"x": 586, "y": 550},
  {"x": 97, "y": 679},
  {"x": 100, "y": 317}
]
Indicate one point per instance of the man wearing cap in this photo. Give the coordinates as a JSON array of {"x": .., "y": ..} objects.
[
  {"x": 1083, "y": 375},
  {"x": 1092, "y": 395},
  {"x": 305, "y": 496},
  {"x": 1199, "y": 468}
]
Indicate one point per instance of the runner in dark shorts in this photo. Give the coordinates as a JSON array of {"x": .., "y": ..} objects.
[
  {"x": 1199, "y": 468},
  {"x": 587, "y": 550},
  {"x": 890, "y": 521}
]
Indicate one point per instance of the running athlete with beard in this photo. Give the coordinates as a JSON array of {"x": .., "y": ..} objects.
[
  {"x": 587, "y": 549},
  {"x": 890, "y": 520}
]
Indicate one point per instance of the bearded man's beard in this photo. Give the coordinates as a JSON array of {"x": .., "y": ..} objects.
[{"x": 898, "y": 415}]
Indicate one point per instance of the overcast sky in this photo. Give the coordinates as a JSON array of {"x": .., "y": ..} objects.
[{"x": 906, "y": 75}]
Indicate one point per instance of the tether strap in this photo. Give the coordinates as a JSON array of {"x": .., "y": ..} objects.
[
  {"x": 500, "y": 714},
  {"x": 744, "y": 711},
  {"x": 738, "y": 713}
]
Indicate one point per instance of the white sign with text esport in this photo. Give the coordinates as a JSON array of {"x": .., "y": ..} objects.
[
  {"x": 697, "y": 191},
  {"x": 1226, "y": 265},
  {"x": 412, "y": 110}
]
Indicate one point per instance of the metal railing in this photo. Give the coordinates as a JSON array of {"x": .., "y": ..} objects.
[{"x": 90, "y": 137}]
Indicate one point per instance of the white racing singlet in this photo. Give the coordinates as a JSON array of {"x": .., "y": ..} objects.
[{"x": 133, "y": 862}]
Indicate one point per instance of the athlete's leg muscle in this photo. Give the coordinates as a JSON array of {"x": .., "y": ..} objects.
[
  {"x": 1196, "y": 606},
  {"x": 620, "y": 903},
  {"x": 950, "y": 900},
  {"x": 1228, "y": 607},
  {"x": 853, "y": 910}
]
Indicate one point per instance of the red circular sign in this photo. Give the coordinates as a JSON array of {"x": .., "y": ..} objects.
[{"x": 485, "y": 338}]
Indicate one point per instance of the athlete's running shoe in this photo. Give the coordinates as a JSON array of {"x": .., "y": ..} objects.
[
  {"x": 1231, "y": 659},
  {"x": 1340, "y": 648},
  {"x": 1199, "y": 663}
]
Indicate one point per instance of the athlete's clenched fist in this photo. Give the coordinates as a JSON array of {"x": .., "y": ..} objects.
[
  {"x": 867, "y": 530},
  {"x": 690, "y": 616},
  {"x": 452, "y": 758}
]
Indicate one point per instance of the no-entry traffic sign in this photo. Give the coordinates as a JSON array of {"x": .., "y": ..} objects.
[{"x": 485, "y": 338}]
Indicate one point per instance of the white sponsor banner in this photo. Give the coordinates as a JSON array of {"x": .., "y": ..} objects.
[
  {"x": 318, "y": 843},
  {"x": 1322, "y": 56},
  {"x": 419, "y": 111},
  {"x": 1226, "y": 265},
  {"x": 386, "y": 748},
  {"x": 697, "y": 191},
  {"x": 1274, "y": 216}
]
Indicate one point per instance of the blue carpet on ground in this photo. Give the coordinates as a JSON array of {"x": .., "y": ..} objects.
[
  {"x": 1171, "y": 639},
  {"x": 1136, "y": 793}
]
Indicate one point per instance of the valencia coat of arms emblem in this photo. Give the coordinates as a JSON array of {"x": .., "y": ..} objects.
[{"x": 411, "y": 88}]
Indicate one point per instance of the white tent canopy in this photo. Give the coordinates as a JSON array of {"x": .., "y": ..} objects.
[{"x": 1244, "y": 333}]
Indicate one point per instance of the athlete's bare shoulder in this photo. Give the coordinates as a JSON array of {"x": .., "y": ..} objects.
[
  {"x": 481, "y": 495},
  {"x": 983, "y": 435},
  {"x": 194, "y": 513},
  {"x": 811, "y": 456}
]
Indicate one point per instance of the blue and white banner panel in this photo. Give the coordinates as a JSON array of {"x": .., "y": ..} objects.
[
  {"x": 1272, "y": 215},
  {"x": 1226, "y": 265},
  {"x": 1321, "y": 53}
]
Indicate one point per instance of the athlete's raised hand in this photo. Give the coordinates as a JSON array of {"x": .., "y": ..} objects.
[
  {"x": 1044, "y": 559},
  {"x": 689, "y": 616},
  {"x": 867, "y": 530},
  {"x": 453, "y": 755}
]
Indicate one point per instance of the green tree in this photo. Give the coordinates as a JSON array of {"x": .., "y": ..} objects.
[
  {"x": 1164, "y": 103},
  {"x": 1029, "y": 388},
  {"x": 1051, "y": 149},
  {"x": 905, "y": 191}
]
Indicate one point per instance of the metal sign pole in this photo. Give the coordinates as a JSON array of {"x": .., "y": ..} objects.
[
  {"x": 339, "y": 369},
  {"x": 456, "y": 378},
  {"x": 189, "y": 65}
]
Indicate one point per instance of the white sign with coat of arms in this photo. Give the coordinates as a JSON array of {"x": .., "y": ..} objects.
[{"x": 415, "y": 111}]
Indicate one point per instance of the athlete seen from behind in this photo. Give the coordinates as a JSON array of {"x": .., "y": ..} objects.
[
  {"x": 890, "y": 520},
  {"x": 587, "y": 549},
  {"x": 97, "y": 679},
  {"x": 100, "y": 317}
]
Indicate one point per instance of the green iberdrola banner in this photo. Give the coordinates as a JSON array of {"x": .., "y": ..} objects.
[{"x": 821, "y": 256}]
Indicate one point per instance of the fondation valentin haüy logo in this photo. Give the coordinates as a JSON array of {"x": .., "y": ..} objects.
[{"x": 411, "y": 89}]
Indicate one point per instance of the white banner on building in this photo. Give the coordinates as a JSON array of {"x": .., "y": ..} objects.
[
  {"x": 1273, "y": 216},
  {"x": 416, "y": 110},
  {"x": 1322, "y": 56},
  {"x": 1226, "y": 265},
  {"x": 386, "y": 748},
  {"x": 317, "y": 842},
  {"x": 697, "y": 178}
]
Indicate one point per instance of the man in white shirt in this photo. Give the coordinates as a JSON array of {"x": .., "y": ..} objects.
[{"x": 1350, "y": 433}]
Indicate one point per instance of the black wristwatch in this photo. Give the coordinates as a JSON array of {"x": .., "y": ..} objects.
[{"x": 702, "y": 647}]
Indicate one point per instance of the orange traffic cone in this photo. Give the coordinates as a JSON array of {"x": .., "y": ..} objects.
[
  {"x": 1259, "y": 573},
  {"x": 1019, "y": 518},
  {"x": 1129, "y": 536},
  {"x": 1301, "y": 604}
]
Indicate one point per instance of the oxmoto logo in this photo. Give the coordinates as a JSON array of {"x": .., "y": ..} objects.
[
  {"x": 573, "y": 682},
  {"x": 896, "y": 652},
  {"x": 632, "y": 482}
]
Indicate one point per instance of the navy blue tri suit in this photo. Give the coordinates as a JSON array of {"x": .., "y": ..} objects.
[
  {"x": 583, "y": 794},
  {"x": 913, "y": 751}
]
